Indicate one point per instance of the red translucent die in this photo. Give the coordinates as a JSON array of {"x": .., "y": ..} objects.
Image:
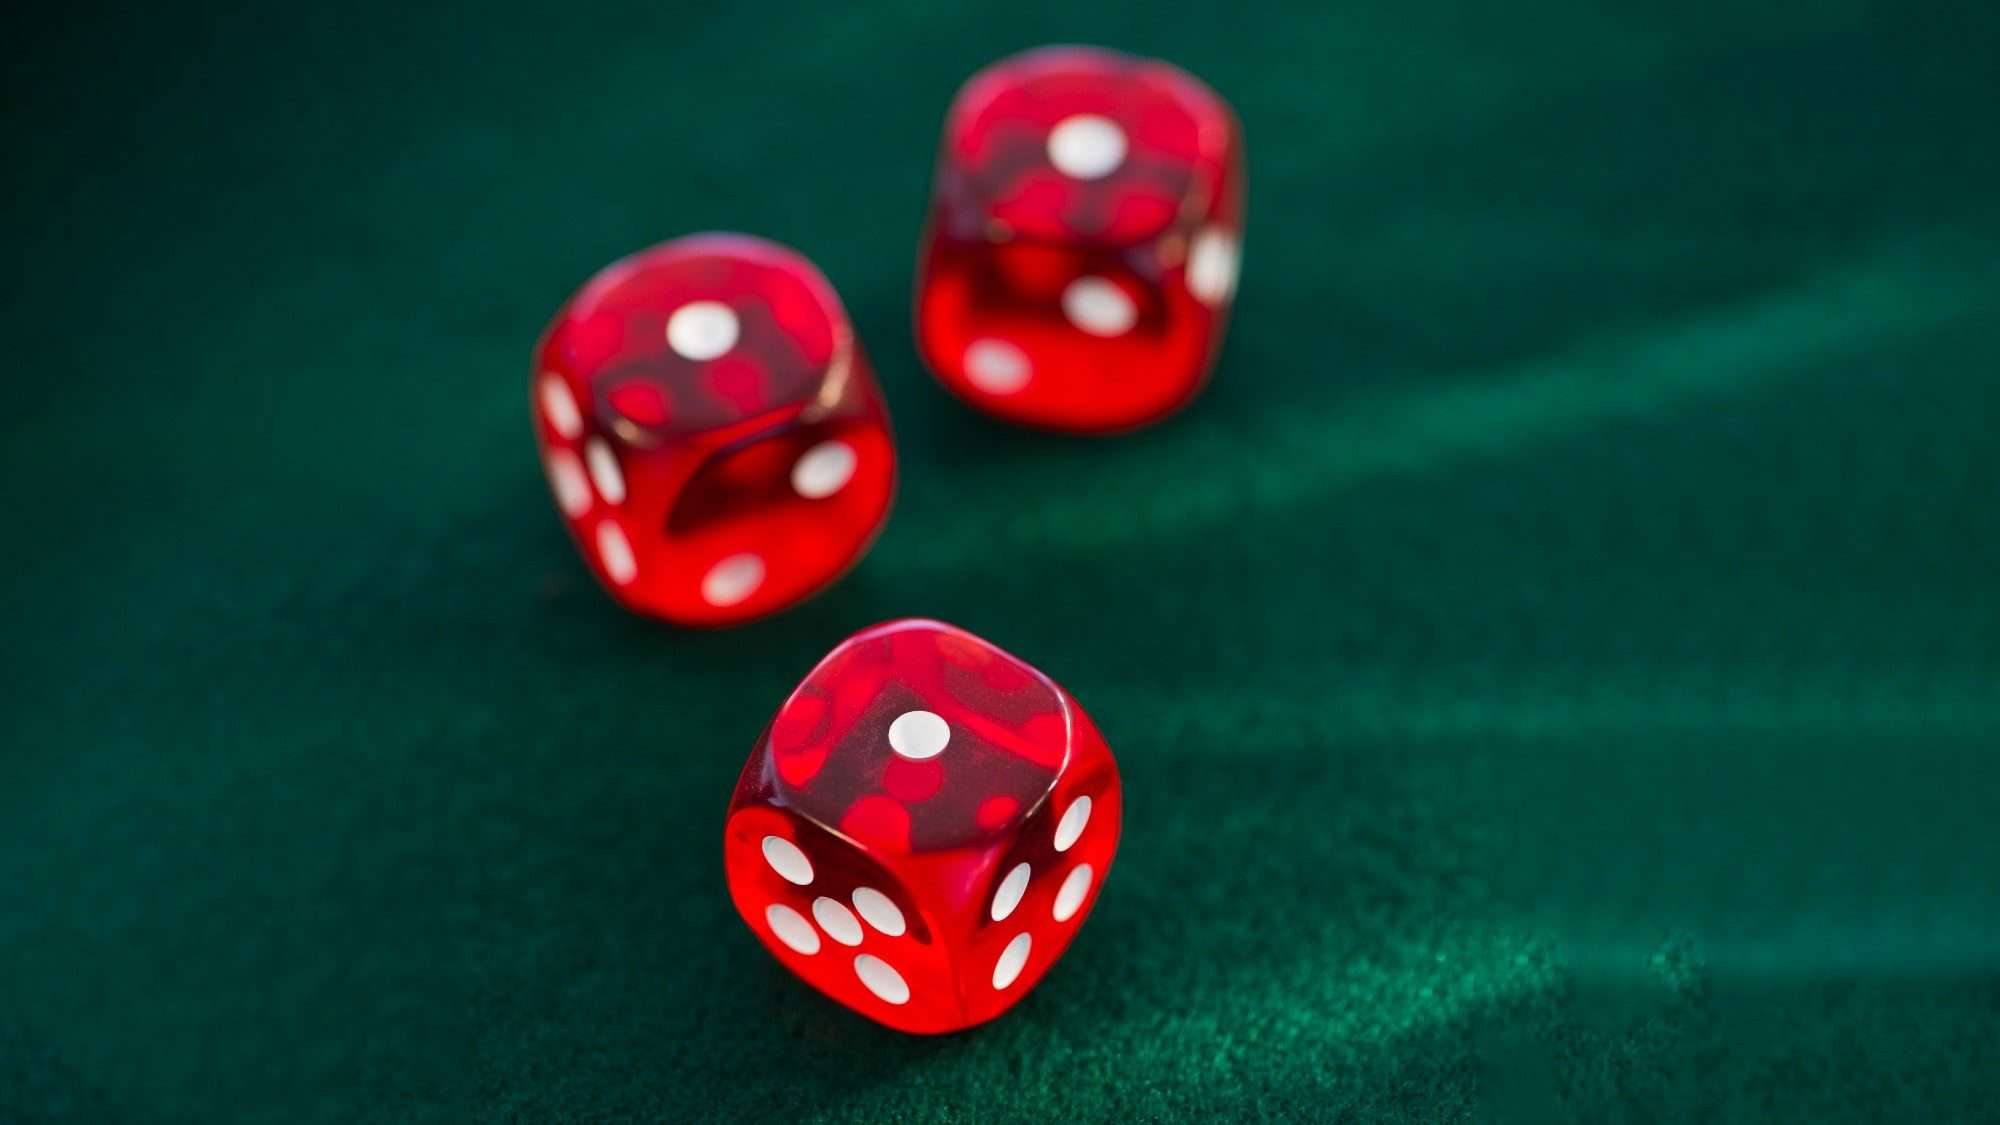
[
  {"x": 714, "y": 437},
  {"x": 1081, "y": 253},
  {"x": 923, "y": 827}
]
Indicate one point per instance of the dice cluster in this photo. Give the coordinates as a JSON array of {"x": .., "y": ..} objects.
[{"x": 927, "y": 820}]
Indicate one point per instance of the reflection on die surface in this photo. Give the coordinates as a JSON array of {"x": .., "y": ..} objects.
[
  {"x": 923, "y": 827},
  {"x": 1082, "y": 246},
  {"x": 711, "y": 430}
]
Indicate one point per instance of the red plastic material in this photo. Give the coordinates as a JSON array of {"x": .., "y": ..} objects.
[
  {"x": 923, "y": 827},
  {"x": 711, "y": 430},
  {"x": 1084, "y": 236}
]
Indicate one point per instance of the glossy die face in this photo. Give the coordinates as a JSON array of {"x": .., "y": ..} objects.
[
  {"x": 711, "y": 430},
  {"x": 1082, "y": 247},
  {"x": 923, "y": 827}
]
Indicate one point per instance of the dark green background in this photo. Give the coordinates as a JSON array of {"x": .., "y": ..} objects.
[{"x": 1555, "y": 668}]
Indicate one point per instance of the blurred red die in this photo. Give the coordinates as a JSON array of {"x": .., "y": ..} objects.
[
  {"x": 711, "y": 430},
  {"x": 1082, "y": 247}
]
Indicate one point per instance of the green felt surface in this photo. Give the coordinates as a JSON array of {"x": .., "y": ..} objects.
[{"x": 1555, "y": 669}]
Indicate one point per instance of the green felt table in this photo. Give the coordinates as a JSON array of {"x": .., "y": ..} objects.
[{"x": 1555, "y": 667}]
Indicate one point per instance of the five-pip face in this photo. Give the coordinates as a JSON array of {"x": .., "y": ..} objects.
[
  {"x": 711, "y": 430},
  {"x": 1083, "y": 239},
  {"x": 923, "y": 827}
]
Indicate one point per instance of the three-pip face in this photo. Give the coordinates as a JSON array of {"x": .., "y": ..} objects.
[
  {"x": 1082, "y": 246},
  {"x": 711, "y": 430}
]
